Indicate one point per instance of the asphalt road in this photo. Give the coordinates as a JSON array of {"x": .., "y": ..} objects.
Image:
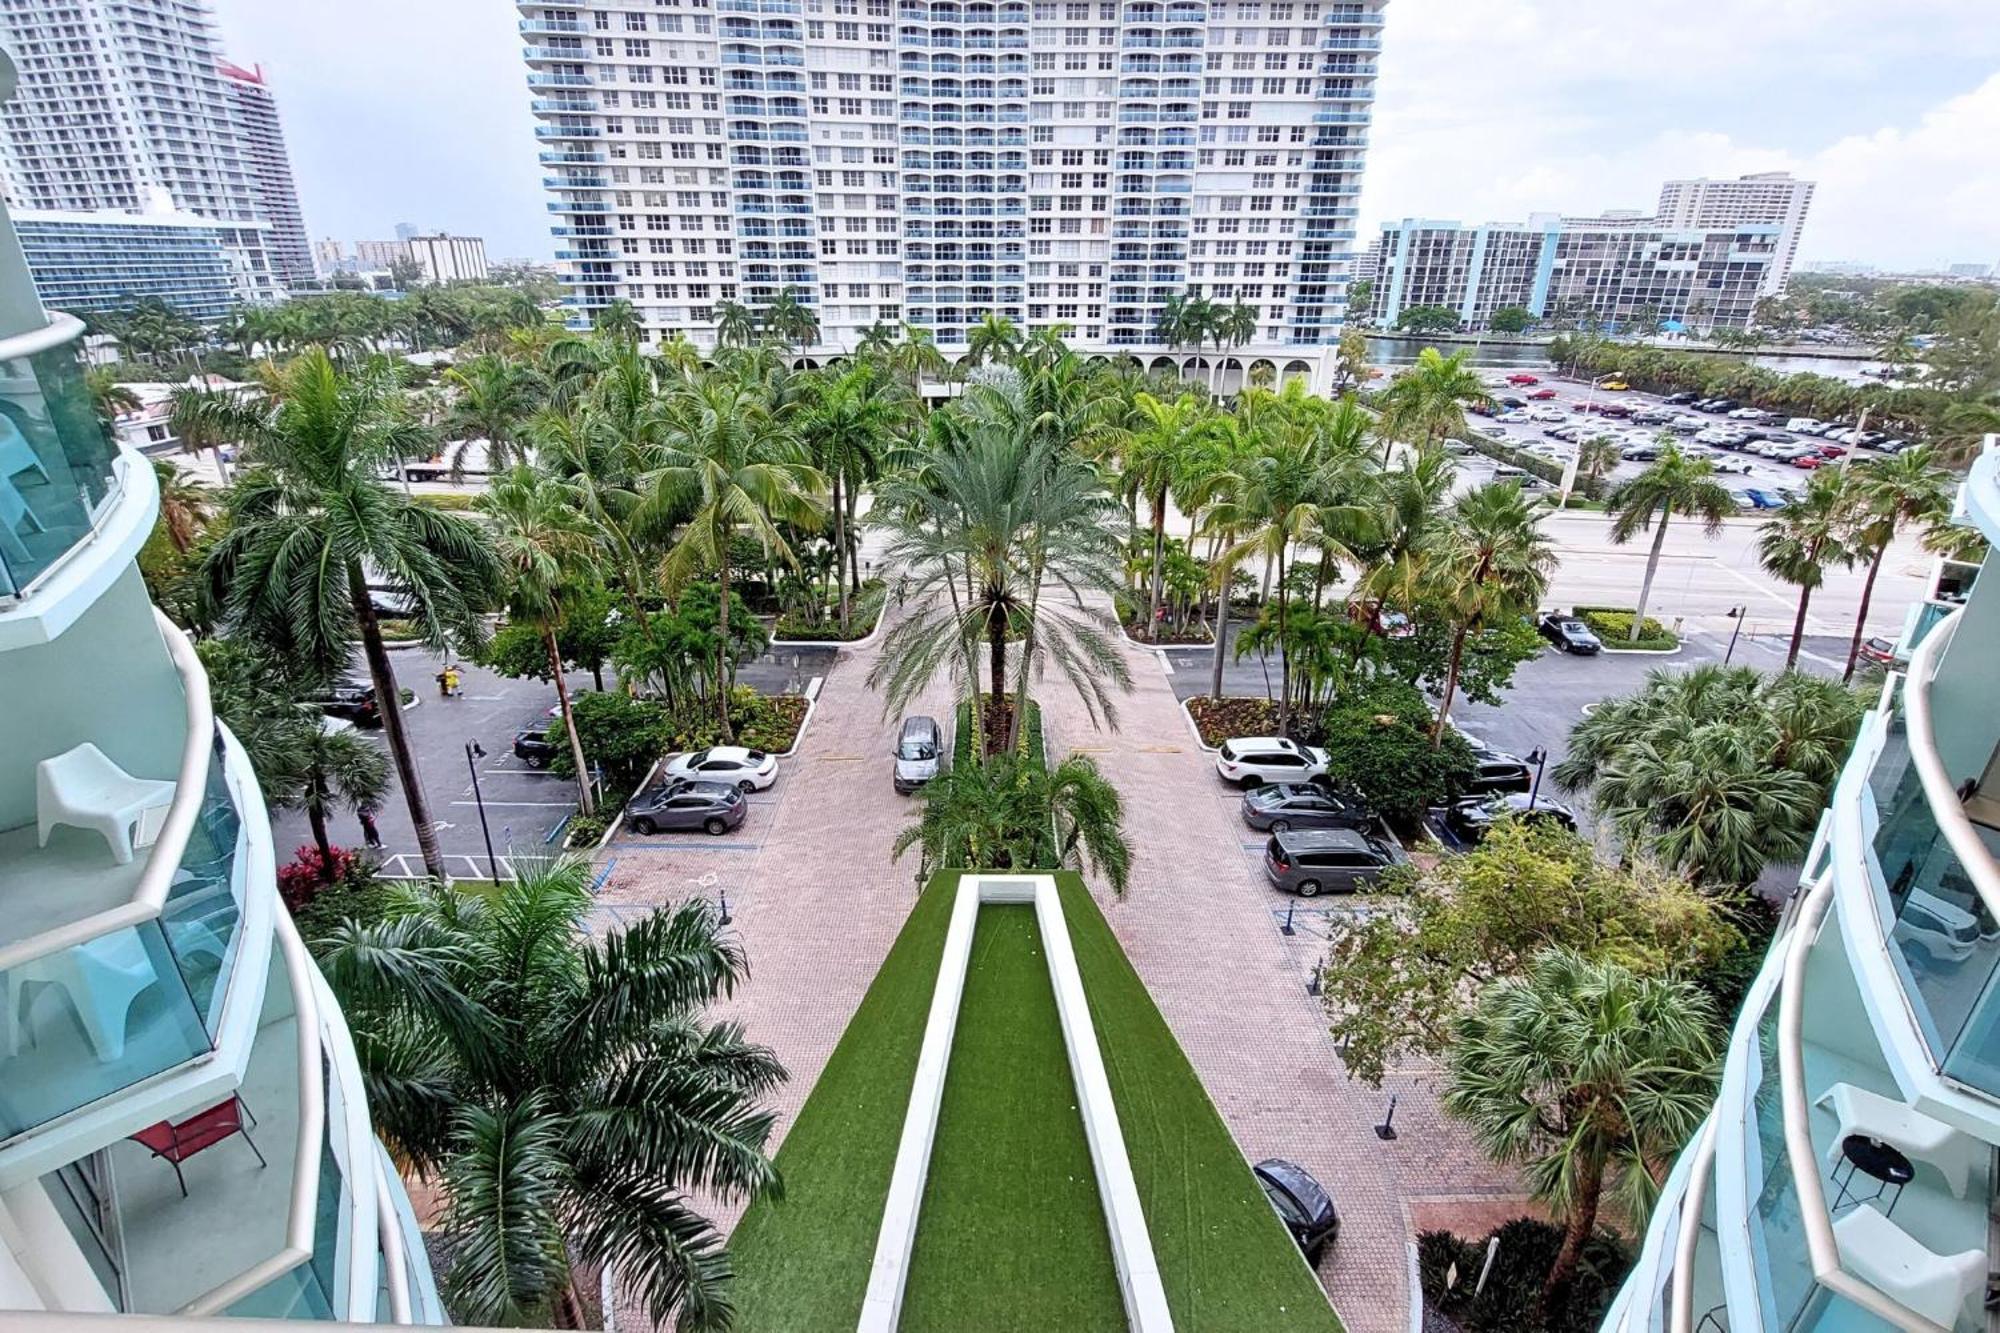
[{"x": 524, "y": 808}]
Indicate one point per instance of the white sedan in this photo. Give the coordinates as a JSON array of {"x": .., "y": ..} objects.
[{"x": 747, "y": 770}]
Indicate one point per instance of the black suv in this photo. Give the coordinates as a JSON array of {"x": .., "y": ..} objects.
[
  {"x": 353, "y": 700},
  {"x": 1569, "y": 634},
  {"x": 534, "y": 748}
]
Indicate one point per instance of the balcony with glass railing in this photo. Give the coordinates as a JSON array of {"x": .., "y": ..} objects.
[{"x": 59, "y": 476}]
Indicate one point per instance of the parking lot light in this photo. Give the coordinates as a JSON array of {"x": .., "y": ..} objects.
[
  {"x": 1538, "y": 757},
  {"x": 475, "y": 751}
]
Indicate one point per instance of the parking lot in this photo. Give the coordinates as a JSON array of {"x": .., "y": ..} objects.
[
  {"x": 1566, "y": 407},
  {"x": 524, "y": 808}
]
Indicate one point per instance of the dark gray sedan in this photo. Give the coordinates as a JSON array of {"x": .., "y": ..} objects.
[
  {"x": 1289, "y": 805},
  {"x": 713, "y": 807}
]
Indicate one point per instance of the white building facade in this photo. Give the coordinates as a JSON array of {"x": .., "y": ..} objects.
[
  {"x": 270, "y": 166},
  {"x": 1073, "y": 162},
  {"x": 449, "y": 258},
  {"x": 94, "y": 263},
  {"x": 1770, "y": 198},
  {"x": 117, "y": 98}
]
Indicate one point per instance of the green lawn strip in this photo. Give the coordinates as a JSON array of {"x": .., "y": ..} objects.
[
  {"x": 1011, "y": 1234},
  {"x": 1226, "y": 1261},
  {"x": 802, "y": 1262}
]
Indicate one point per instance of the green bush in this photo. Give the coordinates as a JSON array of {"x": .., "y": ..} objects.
[
  {"x": 585, "y": 830},
  {"x": 1031, "y": 733},
  {"x": 1512, "y": 1300},
  {"x": 1613, "y": 625},
  {"x": 454, "y": 500},
  {"x": 1378, "y": 744},
  {"x": 864, "y": 613}
]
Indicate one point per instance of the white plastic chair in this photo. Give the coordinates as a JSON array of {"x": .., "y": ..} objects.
[
  {"x": 84, "y": 789},
  {"x": 1860, "y": 1111},
  {"x": 1888, "y": 1258}
]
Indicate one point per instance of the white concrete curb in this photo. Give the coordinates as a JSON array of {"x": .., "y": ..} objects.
[
  {"x": 881, "y": 619},
  {"x": 1194, "y": 729},
  {"x": 1146, "y": 1309},
  {"x": 812, "y": 706},
  {"x": 1649, "y": 652}
]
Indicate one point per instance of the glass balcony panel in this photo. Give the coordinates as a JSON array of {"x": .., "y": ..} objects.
[
  {"x": 1777, "y": 1227},
  {"x": 56, "y": 476}
]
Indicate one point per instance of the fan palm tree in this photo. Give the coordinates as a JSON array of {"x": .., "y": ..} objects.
[
  {"x": 994, "y": 338},
  {"x": 1893, "y": 493},
  {"x": 1809, "y": 534},
  {"x": 998, "y": 815},
  {"x": 567, "y": 1092},
  {"x": 1427, "y": 402},
  {"x": 492, "y": 400},
  {"x": 1583, "y": 1074},
  {"x": 729, "y": 467},
  {"x": 547, "y": 547},
  {"x": 735, "y": 324},
  {"x": 311, "y": 521},
  {"x": 989, "y": 522},
  {"x": 1674, "y": 483},
  {"x": 1490, "y": 561}
]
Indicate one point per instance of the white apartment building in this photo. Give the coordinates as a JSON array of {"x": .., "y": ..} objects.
[
  {"x": 263, "y": 142},
  {"x": 1768, "y": 198},
  {"x": 448, "y": 258},
  {"x": 119, "y": 96},
  {"x": 1053, "y": 161}
]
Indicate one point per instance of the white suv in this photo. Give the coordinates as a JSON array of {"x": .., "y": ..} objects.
[{"x": 1252, "y": 761}]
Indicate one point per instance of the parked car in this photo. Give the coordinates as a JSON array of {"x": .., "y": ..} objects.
[
  {"x": 681, "y": 806},
  {"x": 1301, "y": 1203},
  {"x": 919, "y": 750},
  {"x": 1328, "y": 860},
  {"x": 1512, "y": 415},
  {"x": 1542, "y": 395},
  {"x": 1615, "y": 386},
  {"x": 1678, "y": 398},
  {"x": 1639, "y": 453},
  {"x": 1807, "y": 462},
  {"x": 1569, "y": 634},
  {"x": 1685, "y": 424},
  {"x": 1764, "y": 499},
  {"x": 1548, "y": 414},
  {"x": 1252, "y": 761},
  {"x": 1831, "y": 451},
  {"x": 748, "y": 770},
  {"x": 1523, "y": 377},
  {"x": 1653, "y": 416},
  {"x": 1880, "y": 652},
  {"x": 1802, "y": 423},
  {"x": 1289, "y": 805},
  {"x": 534, "y": 748},
  {"x": 351, "y": 700},
  {"x": 1733, "y": 466},
  {"x": 1509, "y": 400},
  {"x": 1469, "y": 820},
  {"x": 1748, "y": 414}
]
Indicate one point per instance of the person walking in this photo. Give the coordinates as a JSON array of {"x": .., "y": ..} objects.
[
  {"x": 370, "y": 834},
  {"x": 452, "y": 687}
]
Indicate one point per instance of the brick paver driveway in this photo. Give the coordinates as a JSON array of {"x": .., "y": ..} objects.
[{"x": 818, "y": 902}]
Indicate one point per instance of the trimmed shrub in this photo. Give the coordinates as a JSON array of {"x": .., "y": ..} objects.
[
  {"x": 1219, "y": 719},
  {"x": 1614, "y": 624},
  {"x": 1512, "y": 1300}
]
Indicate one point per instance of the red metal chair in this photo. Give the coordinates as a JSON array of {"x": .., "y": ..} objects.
[{"x": 175, "y": 1143}]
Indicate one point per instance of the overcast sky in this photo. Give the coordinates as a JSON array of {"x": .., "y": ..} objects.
[{"x": 416, "y": 111}]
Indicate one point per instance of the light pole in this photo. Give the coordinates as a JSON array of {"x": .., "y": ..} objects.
[
  {"x": 473, "y": 751},
  {"x": 1539, "y": 757},
  {"x": 1736, "y": 613}
]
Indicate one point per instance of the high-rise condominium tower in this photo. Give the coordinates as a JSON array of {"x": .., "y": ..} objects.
[
  {"x": 263, "y": 143},
  {"x": 1071, "y": 162},
  {"x": 119, "y": 95},
  {"x": 1770, "y": 198}
]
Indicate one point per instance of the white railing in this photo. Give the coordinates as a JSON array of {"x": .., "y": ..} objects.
[
  {"x": 1940, "y": 792},
  {"x": 1687, "y": 1244},
  {"x": 190, "y": 789}
]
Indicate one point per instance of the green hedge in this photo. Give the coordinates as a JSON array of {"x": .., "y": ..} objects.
[
  {"x": 1031, "y": 731},
  {"x": 864, "y": 613},
  {"x": 1613, "y": 624},
  {"x": 1532, "y": 464}
]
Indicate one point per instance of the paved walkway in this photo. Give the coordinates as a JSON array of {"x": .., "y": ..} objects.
[{"x": 818, "y": 902}]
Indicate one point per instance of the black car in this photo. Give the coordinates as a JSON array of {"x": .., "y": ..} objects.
[
  {"x": 1289, "y": 805},
  {"x": 1301, "y": 1203},
  {"x": 713, "y": 807},
  {"x": 1469, "y": 820},
  {"x": 353, "y": 700},
  {"x": 1569, "y": 634},
  {"x": 1722, "y": 405},
  {"x": 1678, "y": 399},
  {"x": 534, "y": 748}
]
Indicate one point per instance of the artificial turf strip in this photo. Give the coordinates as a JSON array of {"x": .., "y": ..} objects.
[
  {"x": 802, "y": 1262},
  {"x": 1226, "y": 1261},
  {"x": 1011, "y": 1233}
]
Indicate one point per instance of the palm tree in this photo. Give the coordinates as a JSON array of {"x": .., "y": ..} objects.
[
  {"x": 547, "y": 547},
  {"x": 492, "y": 400},
  {"x": 1427, "y": 402},
  {"x": 1714, "y": 772},
  {"x": 205, "y": 418},
  {"x": 994, "y": 338},
  {"x": 332, "y": 770},
  {"x": 1491, "y": 561},
  {"x": 311, "y": 521},
  {"x": 1809, "y": 534},
  {"x": 988, "y": 523},
  {"x": 1597, "y": 456},
  {"x": 1156, "y": 458},
  {"x": 791, "y": 321},
  {"x": 566, "y": 1091},
  {"x": 185, "y": 509},
  {"x": 847, "y": 429},
  {"x": 618, "y": 322},
  {"x": 1674, "y": 483},
  {"x": 1907, "y": 488},
  {"x": 735, "y": 324},
  {"x": 729, "y": 468},
  {"x": 1584, "y": 1074},
  {"x": 1350, "y": 366},
  {"x": 1964, "y": 429},
  {"x": 998, "y": 815},
  {"x": 109, "y": 398}
]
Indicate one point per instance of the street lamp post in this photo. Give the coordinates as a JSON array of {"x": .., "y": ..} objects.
[
  {"x": 1539, "y": 757},
  {"x": 1736, "y": 614},
  {"x": 473, "y": 751}
]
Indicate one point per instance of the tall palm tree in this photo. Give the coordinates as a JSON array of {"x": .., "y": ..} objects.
[
  {"x": 1596, "y": 456},
  {"x": 728, "y": 467},
  {"x": 994, "y": 338},
  {"x": 1156, "y": 458},
  {"x": 547, "y": 547},
  {"x": 206, "y": 418},
  {"x": 568, "y": 1092},
  {"x": 311, "y": 522},
  {"x": 791, "y": 321},
  {"x": 1893, "y": 493},
  {"x": 847, "y": 429},
  {"x": 1809, "y": 534},
  {"x": 330, "y": 771},
  {"x": 492, "y": 400},
  {"x": 1235, "y": 326},
  {"x": 1674, "y": 483},
  {"x": 1491, "y": 561},
  {"x": 109, "y": 398},
  {"x": 735, "y": 324},
  {"x": 185, "y": 508},
  {"x": 991, "y": 521},
  {"x": 1427, "y": 402},
  {"x": 999, "y": 815},
  {"x": 1584, "y": 1074}
]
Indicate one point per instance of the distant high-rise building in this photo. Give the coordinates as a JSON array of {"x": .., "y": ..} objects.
[
  {"x": 408, "y": 231},
  {"x": 1768, "y": 198},
  {"x": 330, "y": 256},
  {"x": 116, "y": 96},
  {"x": 263, "y": 144},
  {"x": 91, "y": 263},
  {"x": 449, "y": 258},
  {"x": 935, "y": 162},
  {"x": 378, "y": 255}
]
